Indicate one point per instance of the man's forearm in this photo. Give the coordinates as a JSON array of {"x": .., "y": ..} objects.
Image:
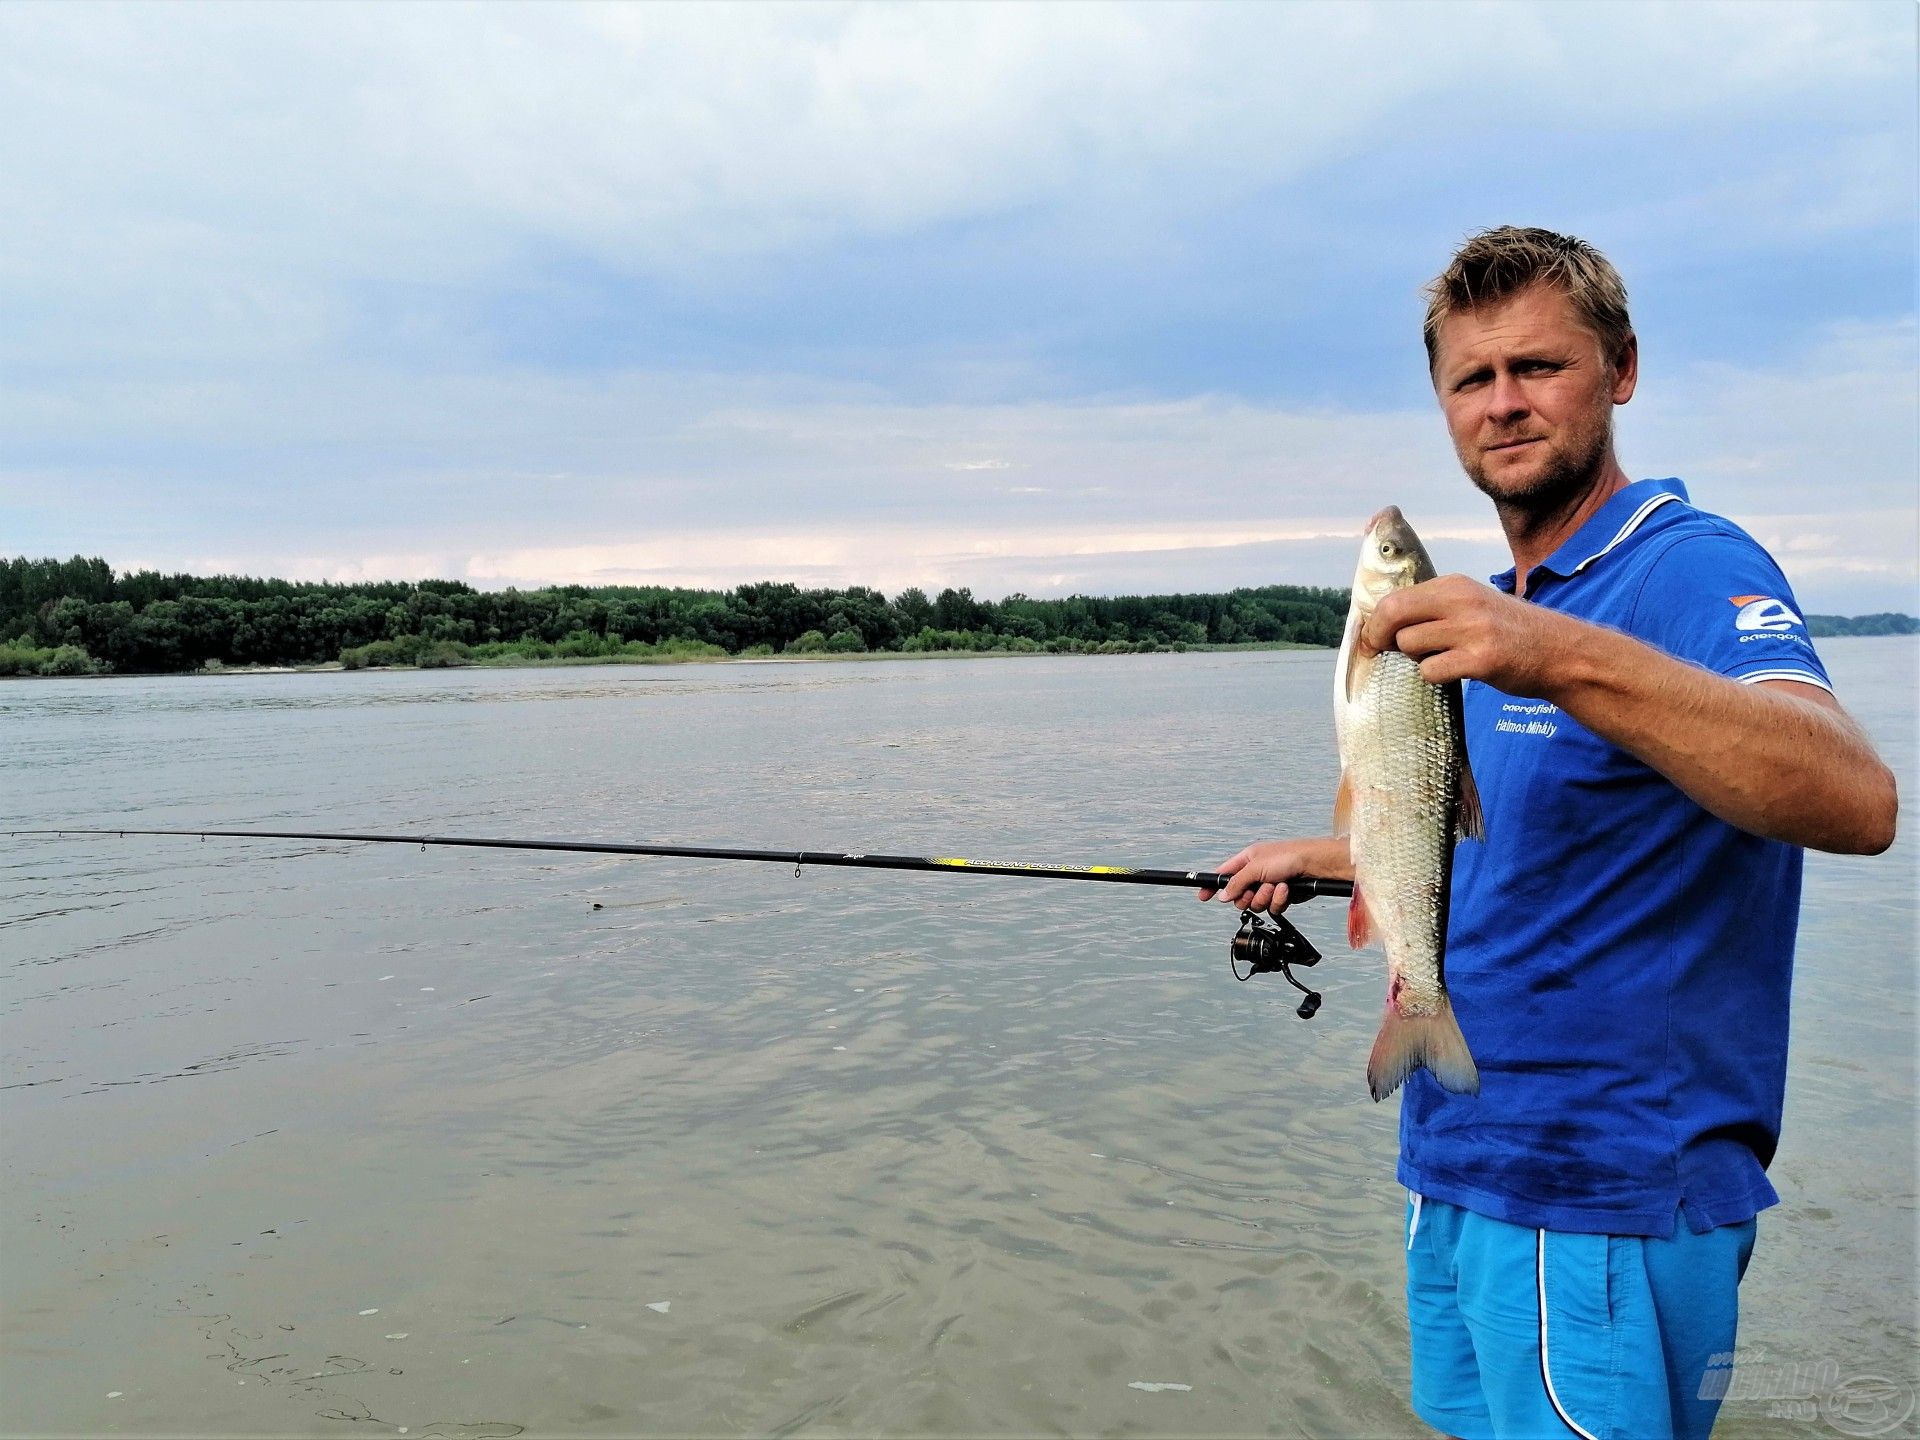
[{"x": 1776, "y": 759}]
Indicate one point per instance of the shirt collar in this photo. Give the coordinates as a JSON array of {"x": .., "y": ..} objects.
[{"x": 1609, "y": 527}]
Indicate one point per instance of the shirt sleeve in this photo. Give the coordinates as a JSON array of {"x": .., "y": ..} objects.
[{"x": 1719, "y": 601}]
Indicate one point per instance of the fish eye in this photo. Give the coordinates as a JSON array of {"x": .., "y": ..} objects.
[{"x": 1386, "y": 547}]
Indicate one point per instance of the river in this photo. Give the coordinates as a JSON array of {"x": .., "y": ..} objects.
[{"x": 332, "y": 1140}]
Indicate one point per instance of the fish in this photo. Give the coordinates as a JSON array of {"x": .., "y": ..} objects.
[{"x": 1406, "y": 796}]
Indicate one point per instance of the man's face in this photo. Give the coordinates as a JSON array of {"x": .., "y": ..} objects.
[{"x": 1529, "y": 398}]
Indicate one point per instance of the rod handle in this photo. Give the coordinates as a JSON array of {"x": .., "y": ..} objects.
[{"x": 1313, "y": 887}]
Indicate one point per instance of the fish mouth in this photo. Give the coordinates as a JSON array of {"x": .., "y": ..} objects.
[{"x": 1389, "y": 516}]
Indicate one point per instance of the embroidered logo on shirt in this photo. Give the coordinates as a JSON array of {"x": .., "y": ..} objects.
[
  {"x": 1533, "y": 718},
  {"x": 1762, "y": 612}
]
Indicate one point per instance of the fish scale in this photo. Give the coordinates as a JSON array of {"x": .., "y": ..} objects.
[{"x": 1404, "y": 801}]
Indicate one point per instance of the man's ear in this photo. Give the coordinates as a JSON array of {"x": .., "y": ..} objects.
[{"x": 1626, "y": 370}]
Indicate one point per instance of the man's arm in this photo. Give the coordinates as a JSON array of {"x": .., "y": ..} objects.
[{"x": 1777, "y": 759}]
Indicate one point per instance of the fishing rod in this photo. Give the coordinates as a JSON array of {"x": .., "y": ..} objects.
[{"x": 1263, "y": 945}]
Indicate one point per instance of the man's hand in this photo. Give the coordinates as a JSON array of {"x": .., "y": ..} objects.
[
  {"x": 1460, "y": 629},
  {"x": 1260, "y": 872}
]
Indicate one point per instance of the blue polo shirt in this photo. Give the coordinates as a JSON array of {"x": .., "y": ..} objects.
[{"x": 1618, "y": 958}]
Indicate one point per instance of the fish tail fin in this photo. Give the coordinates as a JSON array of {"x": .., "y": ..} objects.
[{"x": 1409, "y": 1042}]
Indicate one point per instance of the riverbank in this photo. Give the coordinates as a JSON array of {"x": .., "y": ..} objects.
[
  {"x": 505, "y": 662},
  {"x": 559, "y": 662}
]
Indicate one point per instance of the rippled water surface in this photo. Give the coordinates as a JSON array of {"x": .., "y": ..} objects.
[{"x": 307, "y": 1139}]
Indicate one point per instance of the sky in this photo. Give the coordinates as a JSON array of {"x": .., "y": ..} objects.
[{"x": 1037, "y": 298}]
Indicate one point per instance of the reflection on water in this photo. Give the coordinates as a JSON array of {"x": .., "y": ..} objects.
[{"x": 303, "y": 1138}]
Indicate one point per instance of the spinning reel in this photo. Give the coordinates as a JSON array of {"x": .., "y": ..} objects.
[{"x": 1265, "y": 944}]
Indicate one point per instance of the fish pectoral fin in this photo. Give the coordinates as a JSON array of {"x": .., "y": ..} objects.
[
  {"x": 1359, "y": 671},
  {"x": 1359, "y": 922},
  {"x": 1470, "y": 822},
  {"x": 1421, "y": 1042},
  {"x": 1343, "y": 806}
]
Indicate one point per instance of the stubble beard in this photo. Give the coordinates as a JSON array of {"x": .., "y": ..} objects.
[{"x": 1558, "y": 489}]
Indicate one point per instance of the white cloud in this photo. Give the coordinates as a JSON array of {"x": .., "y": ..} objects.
[
  {"x": 430, "y": 142},
  {"x": 895, "y": 556},
  {"x": 1837, "y": 424},
  {"x": 644, "y": 479},
  {"x": 197, "y": 199},
  {"x": 190, "y": 189}
]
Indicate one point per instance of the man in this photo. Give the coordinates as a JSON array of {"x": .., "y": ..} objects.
[{"x": 1654, "y": 741}]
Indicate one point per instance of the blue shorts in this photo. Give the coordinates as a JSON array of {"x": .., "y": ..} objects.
[{"x": 1522, "y": 1334}]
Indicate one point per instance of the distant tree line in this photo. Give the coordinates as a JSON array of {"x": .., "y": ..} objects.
[
  {"x": 1887, "y": 622},
  {"x": 78, "y": 616}
]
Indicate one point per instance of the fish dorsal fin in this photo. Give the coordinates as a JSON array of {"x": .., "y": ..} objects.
[
  {"x": 1343, "y": 806},
  {"x": 1471, "y": 821}
]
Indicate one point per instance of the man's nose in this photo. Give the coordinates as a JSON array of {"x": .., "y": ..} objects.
[{"x": 1507, "y": 399}]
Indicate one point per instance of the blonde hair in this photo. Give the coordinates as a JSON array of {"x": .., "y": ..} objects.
[{"x": 1498, "y": 263}]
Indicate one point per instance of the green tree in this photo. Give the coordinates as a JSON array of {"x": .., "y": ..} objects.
[
  {"x": 957, "y": 610},
  {"x": 916, "y": 611}
]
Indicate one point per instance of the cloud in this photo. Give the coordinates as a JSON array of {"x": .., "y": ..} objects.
[
  {"x": 894, "y": 556},
  {"x": 189, "y": 190},
  {"x": 433, "y": 144},
  {"x": 1814, "y": 190},
  {"x": 1835, "y": 423},
  {"x": 676, "y": 483},
  {"x": 350, "y": 290}
]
